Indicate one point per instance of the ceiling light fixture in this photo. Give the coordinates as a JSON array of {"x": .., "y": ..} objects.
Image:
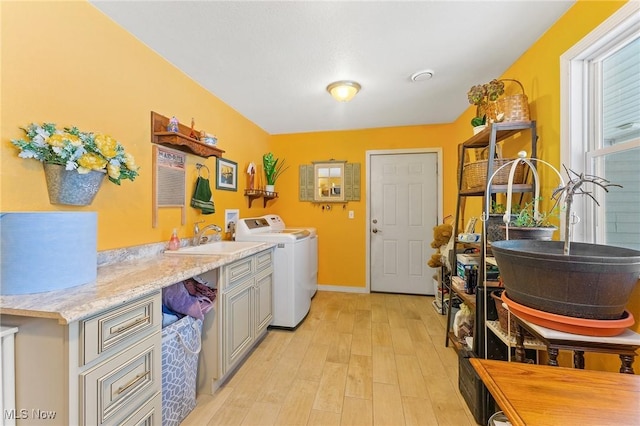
[
  {"x": 344, "y": 90},
  {"x": 422, "y": 75}
]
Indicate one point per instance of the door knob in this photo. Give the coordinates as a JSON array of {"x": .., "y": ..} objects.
[{"x": 375, "y": 230}]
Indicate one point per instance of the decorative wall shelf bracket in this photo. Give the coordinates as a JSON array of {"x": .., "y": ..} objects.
[{"x": 259, "y": 193}]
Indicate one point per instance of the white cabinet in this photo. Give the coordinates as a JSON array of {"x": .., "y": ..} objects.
[
  {"x": 238, "y": 327},
  {"x": 246, "y": 308},
  {"x": 243, "y": 310},
  {"x": 103, "y": 370}
]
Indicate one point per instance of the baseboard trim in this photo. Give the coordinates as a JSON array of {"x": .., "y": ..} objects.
[{"x": 342, "y": 289}]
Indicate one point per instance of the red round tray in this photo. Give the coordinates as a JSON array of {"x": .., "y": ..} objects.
[{"x": 583, "y": 326}]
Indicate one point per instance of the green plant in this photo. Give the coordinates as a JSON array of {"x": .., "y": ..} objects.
[
  {"x": 76, "y": 150},
  {"x": 479, "y": 121},
  {"x": 273, "y": 168},
  {"x": 527, "y": 217},
  {"x": 499, "y": 208}
]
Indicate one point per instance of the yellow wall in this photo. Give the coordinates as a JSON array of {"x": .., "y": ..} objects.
[
  {"x": 342, "y": 240},
  {"x": 67, "y": 63}
]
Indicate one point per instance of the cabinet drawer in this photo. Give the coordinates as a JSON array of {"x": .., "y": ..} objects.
[
  {"x": 264, "y": 259},
  {"x": 120, "y": 326},
  {"x": 123, "y": 383},
  {"x": 150, "y": 414},
  {"x": 238, "y": 271}
]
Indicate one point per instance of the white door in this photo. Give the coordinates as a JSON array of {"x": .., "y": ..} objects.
[{"x": 403, "y": 210}]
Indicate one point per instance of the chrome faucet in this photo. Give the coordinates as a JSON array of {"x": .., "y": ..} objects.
[{"x": 200, "y": 238}]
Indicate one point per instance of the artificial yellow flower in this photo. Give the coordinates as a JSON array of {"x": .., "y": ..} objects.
[
  {"x": 73, "y": 139},
  {"x": 90, "y": 161},
  {"x": 114, "y": 171},
  {"x": 106, "y": 144},
  {"x": 130, "y": 162},
  {"x": 57, "y": 139}
]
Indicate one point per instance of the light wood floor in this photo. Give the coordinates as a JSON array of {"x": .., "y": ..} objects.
[{"x": 357, "y": 359}]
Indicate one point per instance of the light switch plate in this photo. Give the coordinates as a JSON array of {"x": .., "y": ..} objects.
[{"x": 351, "y": 214}]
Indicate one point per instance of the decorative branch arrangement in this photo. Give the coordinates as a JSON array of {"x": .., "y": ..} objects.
[{"x": 574, "y": 187}]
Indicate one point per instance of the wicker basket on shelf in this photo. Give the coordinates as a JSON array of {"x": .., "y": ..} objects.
[
  {"x": 475, "y": 173},
  {"x": 514, "y": 107},
  {"x": 503, "y": 315}
]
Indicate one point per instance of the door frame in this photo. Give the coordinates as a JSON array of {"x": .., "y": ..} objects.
[{"x": 368, "y": 155}]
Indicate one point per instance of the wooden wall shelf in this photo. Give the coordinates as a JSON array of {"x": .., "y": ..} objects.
[
  {"x": 259, "y": 193},
  {"x": 180, "y": 141}
]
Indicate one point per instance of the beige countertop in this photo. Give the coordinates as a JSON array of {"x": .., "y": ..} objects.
[{"x": 117, "y": 283}]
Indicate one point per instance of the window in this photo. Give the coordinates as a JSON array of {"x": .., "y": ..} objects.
[{"x": 600, "y": 92}]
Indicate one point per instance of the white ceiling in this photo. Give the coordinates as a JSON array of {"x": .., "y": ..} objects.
[{"x": 271, "y": 61}]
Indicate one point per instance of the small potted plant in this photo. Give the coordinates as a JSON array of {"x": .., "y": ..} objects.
[
  {"x": 484, "y": 97},
  {"x": 528, "y": 223},
  {"x": 582, "y": 280},
  {"x": 273, "y": 168},
  {"x": 476, "y": 96}
]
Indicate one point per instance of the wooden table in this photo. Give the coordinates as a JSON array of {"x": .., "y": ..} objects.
[{"x": 543, "y": 395}]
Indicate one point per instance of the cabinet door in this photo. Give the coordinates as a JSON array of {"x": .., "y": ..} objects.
[
  {"x": 238, "y": 323},
  {"x": 263, "y": 301}
]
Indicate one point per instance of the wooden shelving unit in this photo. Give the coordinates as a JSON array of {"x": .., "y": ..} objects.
[
  {"x": 488, "y": 139},
  {"x": 180, "y": 140}
]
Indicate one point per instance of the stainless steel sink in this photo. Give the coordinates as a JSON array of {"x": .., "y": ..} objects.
[{"x": 220, "y": 248}]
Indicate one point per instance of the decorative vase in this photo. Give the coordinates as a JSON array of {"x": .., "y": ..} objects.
[
  {"x": 478, "y": 129},
  {"x": 269, "y": 188},
  {"x": 70, "y": 187},
  {"x": 495, "y": 228}
]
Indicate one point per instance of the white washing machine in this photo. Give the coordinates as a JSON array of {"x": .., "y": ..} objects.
[
  {"x": 277, "y": 225},
  {"x": 291, "y": 298}
]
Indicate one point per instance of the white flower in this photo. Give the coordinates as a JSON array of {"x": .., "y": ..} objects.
[{"x": 27, "y": 154}]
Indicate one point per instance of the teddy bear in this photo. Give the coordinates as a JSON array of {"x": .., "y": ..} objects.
[{"x": 441, "y": 236}]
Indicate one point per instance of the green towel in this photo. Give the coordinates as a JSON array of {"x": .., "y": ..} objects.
[{"x": 202, "y": 197}]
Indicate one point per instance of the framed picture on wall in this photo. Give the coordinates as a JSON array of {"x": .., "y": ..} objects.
[{"x": 226, "y": 174}]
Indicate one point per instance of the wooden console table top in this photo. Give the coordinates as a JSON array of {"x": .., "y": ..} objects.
[{"x": 542, "y": 395}]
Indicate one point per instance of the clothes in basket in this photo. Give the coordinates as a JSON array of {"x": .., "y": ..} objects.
[{"x": 181, "y": 344}]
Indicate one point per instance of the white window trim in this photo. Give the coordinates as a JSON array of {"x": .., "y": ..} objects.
[{"x": 573, "y": 105}]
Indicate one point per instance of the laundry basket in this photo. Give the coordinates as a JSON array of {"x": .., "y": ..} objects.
[{"x": 181, "y": 344}]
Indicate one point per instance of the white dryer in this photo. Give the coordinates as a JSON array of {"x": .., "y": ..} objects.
[
  {"x": 291, "y": 298},
  {"x": 278, "y": 225}
]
